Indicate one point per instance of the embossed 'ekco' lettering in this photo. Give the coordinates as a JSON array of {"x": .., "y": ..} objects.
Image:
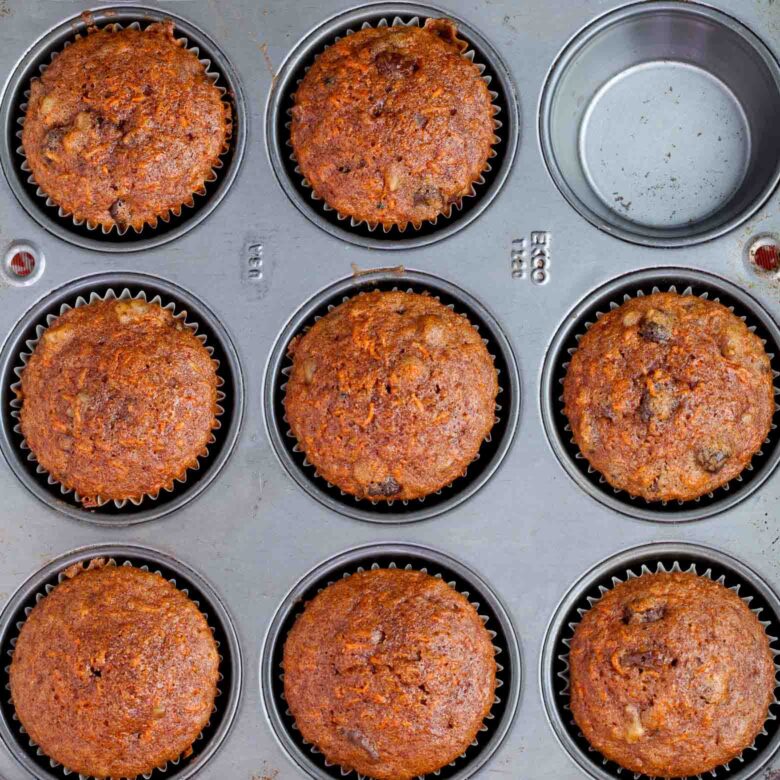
[{"x": 531, "y": 259}]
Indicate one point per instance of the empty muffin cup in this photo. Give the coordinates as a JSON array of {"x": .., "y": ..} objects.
[{"x": 660, "y": 123}]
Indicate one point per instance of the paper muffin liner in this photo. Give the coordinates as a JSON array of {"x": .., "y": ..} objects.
[
  {"x": 730, "y": 581},
  {"x": 16, "y": 403},
  {"x": 467, "y": 52},
  {"x": 346, "y": 574},
  {"x": 176, "y": 211},
  {"x": 69, "y": 573},
  {"x": 287, "y": 370},
  {"x": 603, "y": 482}
]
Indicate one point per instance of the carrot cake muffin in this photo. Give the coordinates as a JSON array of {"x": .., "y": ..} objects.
[
  {"x": 124, "y": 126},
  {"x": 390, "y": 673},
  {"x": 671, "y": 675},
  {"x": 394, "y": 125},
  {"x": 119, "y": 399},
  {"x": 669, "y": 396},
  {"x": 391, "y": 395},
  {"x": 114, "y": 672}
]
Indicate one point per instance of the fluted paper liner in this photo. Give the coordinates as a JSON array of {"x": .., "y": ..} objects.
[
  {"x": 457, "y": 205},
  {"x": 69, "y": 573},
  {"x": 175, "y": 211},
  {"x": 346, "y": 771},
  {"x": 16, "y": 404}
]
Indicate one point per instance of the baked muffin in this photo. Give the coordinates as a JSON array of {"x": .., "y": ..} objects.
[
  {"x": 669, "y": 396},
  {"x": 390, "y": 673},
  {"x": 394, "y": 125},
  {"x": 671, "y": 675},
  {"x": 124, "y": 127},
  {"x": 391, "y": 395},
  {"x": 119, "y": 399},
  {"x": 114, "y": 672}
]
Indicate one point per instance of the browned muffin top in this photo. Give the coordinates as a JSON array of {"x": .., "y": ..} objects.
[
  {"x": 391, "y": 395},
  {"x": 669, "y": 396},
  {"x": 671, "y": 675},
  {"x": 390, "y": 673},
  {"x": 393, "y": 125},
  {"x": 124, "y": 126},
  {"x": 114, "y": 672},
  {"x": 118, "y": 400}
]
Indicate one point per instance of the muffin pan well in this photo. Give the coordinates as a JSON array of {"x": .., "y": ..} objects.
[
  {"x": 493, "y": 449},
  {"x": 280, "y": 102},
  {"x": 187, "y": 580},
  {"x": 394, "y": 555},
  {"x": 23, "y": 338},
  {"x": 13, "y": 104},
  {"x": 659, "y": 123},
  {"x": 687, "y": 282},
  {"x": 661, "y": 556}
]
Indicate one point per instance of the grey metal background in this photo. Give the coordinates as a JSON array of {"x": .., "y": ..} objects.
[{"x": 530, "y": 531}]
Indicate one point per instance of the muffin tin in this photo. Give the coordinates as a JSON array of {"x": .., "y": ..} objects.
[{"x": 546, "y": 253}]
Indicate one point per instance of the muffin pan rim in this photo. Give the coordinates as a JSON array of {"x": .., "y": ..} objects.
[
  {"x": 632, "y": 558},
  {"x": 352, "y": 285},
  {"x": 565, "y": 56},
  {"x": 324, "y": 33},
  {"x": 217, "y": 611},
  {"x": 351, "y": 558},
  {"x": 234, "y": 404},
  {"x": 24, "y": 69},
  {"x": 574, "y": 321}
]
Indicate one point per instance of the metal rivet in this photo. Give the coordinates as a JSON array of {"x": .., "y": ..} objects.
[
  {"x": 23, "y": 264},
  {"x": 764, "y": 253}
]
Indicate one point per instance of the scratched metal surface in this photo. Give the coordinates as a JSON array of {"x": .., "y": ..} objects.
[{"x": 530, "y": 531}]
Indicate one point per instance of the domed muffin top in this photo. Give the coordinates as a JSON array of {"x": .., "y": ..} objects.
[
  {"x": 114, "y": 672},
  {"x": 671, "y": 675},
  {"x": 669, "y": 396},
  {"x": 393, "y": 125},
  {"x": 390, "y": 673},
  {"x": 124, "y": 126},
  {"x": 118, "y": 399},
  {"x": 391, "y": 395}
]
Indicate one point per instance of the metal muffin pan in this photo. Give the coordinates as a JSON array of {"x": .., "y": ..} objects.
[
  {"x": 186, "y": 579},
  {"x": 256, "y": 264}
]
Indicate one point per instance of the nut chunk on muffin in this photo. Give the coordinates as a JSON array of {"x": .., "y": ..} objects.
[
  {"x": 394, "y": 125},
  {"x": 671, "y": 675},
  {"x": 391, "y": 395},
  {"x": 114, "y": 672},
  {"x": 389, "y": 673},
  {"x": 669, "y": 396},
  {"x": 119, "y": 399},
  {"x": 124, "y": 127}
]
